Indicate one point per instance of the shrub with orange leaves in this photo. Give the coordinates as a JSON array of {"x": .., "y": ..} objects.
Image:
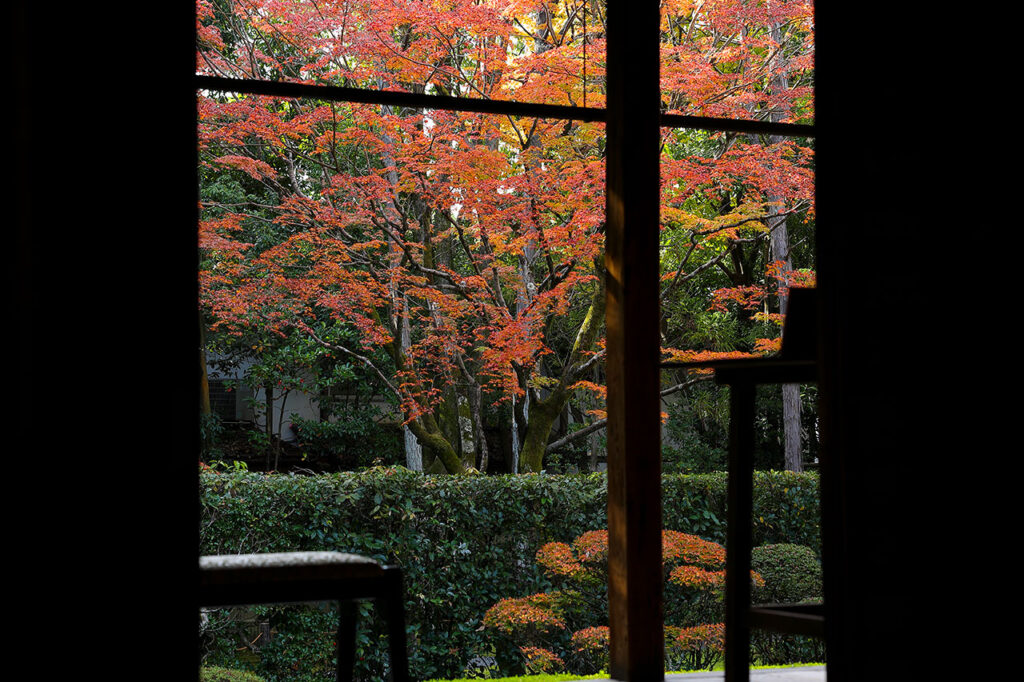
[
  {"x": 590, "y": 649},
  {"x": 525, "y": 616},
  {"x": 699, "y": 647},
  {"x": 676, "y": 547},
  {"x": 525, "y": 627},
  {"x": 592, "y": 546},
  {"x": 556, "y": 558},
  {"x": 695, "y": 577},
  {"x": 541, "y": 623},
  {"x": 539, "y": 661}
]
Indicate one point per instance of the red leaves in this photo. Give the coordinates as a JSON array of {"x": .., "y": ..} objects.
[
  {"x": 557, "y": 559},
  {"x": 696, "y": 578},
  {"x": 682, "y": 547},
  {"x": 255, "y": 168},
  {"x": 711, "y": 636},
  {"x": 540, "y": 661},
  {"x": 719, "y": 57},
  {"x": 535, "y": 613},
  {"x": 589, "y": 640},
  {"x": 473, "y": 230},
  {"x": 747, "y": 298}
]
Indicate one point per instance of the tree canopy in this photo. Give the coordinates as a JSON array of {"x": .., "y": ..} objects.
[{"x": 454, "y": 255}]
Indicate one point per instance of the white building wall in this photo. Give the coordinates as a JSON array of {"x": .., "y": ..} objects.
[{"x": 297, "y": 402}]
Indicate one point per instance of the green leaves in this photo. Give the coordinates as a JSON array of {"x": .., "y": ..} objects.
[{"x": 463, "y": 542}]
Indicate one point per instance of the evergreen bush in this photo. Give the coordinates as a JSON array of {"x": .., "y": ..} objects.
[
  {"x": 792, "y": 573},
  {"x": 464, "y": 543}
]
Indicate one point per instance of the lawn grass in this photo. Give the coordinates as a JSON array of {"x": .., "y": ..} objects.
[
  {"x": 721, "y": 666},
  {"x": 567, "y": 677},
  {"x": 556, "y": 677}
]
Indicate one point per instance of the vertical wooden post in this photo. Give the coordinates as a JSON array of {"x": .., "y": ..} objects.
[
  {"x": 738, "y": 533},
  {"x": 631, "y": 260}
]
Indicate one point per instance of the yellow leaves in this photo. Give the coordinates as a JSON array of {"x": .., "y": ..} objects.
[
  {"x": 769, "y": 318},
  {"x": 538, "y": 381}
]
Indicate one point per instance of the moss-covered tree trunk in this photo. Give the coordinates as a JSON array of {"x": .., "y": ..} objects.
[
  {"x": 429, "y": 434},
  {"x": 543, "y": 414},
  {"x": 544, "y": 411},
  {"x": 425, "y": 426}
]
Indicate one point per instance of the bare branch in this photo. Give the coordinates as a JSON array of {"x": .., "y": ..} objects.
[{"x": 576, "y": 435}]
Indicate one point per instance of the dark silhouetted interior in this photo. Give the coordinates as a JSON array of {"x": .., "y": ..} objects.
[{"x": 104, "y": 306}]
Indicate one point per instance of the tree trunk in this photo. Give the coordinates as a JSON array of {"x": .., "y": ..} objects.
[
  {"x": 780, "y": 252},
  {"x": 475, "y": 400},
  {"x": 790, "y": 392},
  {"x": 413, "y": 445},
  {"x": 204, "y": 379},
  {"x": 268, "y": 397},
  {"x": 544, "y": 412},
  {"x": 429, "y": 435},
  {"x": 413, "y": 449},
  {"x": 204, "y": 394},
  {"x": 280, "y": 431}
]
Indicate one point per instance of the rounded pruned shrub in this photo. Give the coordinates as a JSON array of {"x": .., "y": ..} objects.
[
  {"x": 693, "y": 567},
  {"x": 792, "y": 573},
  {"x": 590, "y": 648},
  {"x": 699, "y": 647},
  {"x": 540, "y": 661}
]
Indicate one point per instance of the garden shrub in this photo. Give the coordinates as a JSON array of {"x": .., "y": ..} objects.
[
  {"x": 590, "y": 648},
  {"x": 353, "y": 441},
  {"x": 540, "y": 661},
  {"x": 699, "y": 647},
  {"x": 464, "y": 544},
  {"x": 776, "y": 648},
  {"x": 580, "y": 572},
  {"x": 792, "y": 573}
]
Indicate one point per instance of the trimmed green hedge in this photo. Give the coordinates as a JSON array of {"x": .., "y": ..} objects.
[{"x": 463, "y": 542}]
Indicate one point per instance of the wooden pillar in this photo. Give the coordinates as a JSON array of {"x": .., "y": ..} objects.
[
  {"x": 738, "y": 550},
  {"x": 631, "y": 259}
]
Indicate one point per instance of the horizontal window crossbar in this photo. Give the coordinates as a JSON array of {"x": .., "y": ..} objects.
[
  {"x": 400, "y": 99},
  {"x": 483, "y": 106},
  {"x": 737, "y": 125}
]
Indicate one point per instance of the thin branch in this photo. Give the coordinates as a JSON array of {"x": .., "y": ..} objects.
[
  {"x": 362, "y": 358},
  {"x": 576, "y": 435}
]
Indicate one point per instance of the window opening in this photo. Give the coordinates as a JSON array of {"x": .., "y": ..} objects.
[{"x": 435, "y": 102}]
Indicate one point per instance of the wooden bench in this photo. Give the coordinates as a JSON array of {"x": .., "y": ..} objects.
[{"x": 292, "y": 577}]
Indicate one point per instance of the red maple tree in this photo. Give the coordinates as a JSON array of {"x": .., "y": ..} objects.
[{"x": 467, "y": 247}]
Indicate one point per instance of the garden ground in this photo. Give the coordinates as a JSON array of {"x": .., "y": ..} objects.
[{"x": 814, "y": 673}]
